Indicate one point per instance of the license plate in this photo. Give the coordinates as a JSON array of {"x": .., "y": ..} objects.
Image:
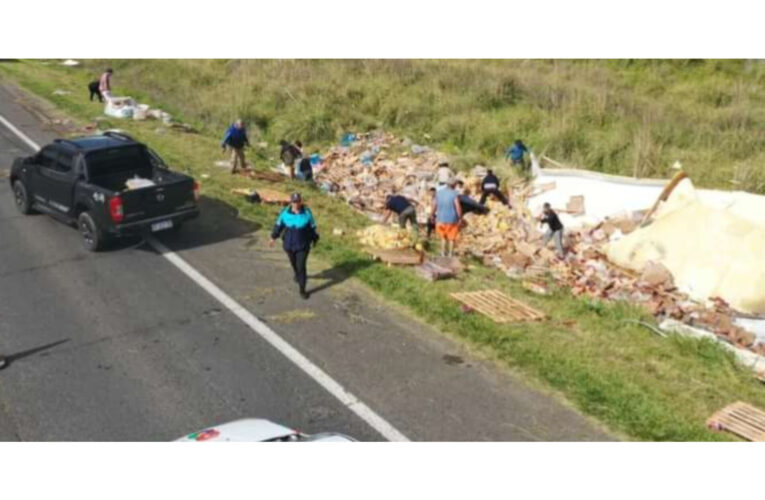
[{"x": 161, "y": 226}]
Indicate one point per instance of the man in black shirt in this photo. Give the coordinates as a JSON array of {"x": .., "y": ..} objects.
[
  {"x": 554, "y": 228},
  {"x": 490, "y": 186},
  {"x": 403, "y": 208}
]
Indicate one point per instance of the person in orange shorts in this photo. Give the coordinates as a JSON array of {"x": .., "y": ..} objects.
[{"x": 448, "y": 211}]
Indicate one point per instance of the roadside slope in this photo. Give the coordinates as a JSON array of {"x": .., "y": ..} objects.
[{"x": 647, "y": 387}]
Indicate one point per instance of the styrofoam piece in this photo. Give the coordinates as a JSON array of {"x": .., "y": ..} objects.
[
  {"x": 138, "y": 183},
  {"x": 744, "y": 356},
  {"x": 755, "y": 326},
  {"x": 140, "y": 112}
]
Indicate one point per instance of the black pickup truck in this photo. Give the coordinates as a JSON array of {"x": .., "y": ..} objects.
[{"x": 108, "y": 185}]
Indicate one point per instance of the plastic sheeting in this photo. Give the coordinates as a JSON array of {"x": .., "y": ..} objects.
[
  {"x": 120, "y": 107},
  {"x": 712, "y": 242}
]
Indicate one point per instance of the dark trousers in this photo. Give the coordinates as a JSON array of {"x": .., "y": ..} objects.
[
  {"x": 298, "y": 261},
  {"x": 409, "y": 214},
  {"x": 494, "y": 192}
]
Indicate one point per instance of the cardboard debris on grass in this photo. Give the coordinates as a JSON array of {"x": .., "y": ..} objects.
[
  {"x": 263, "y": 195},
  {"x": 397, "y": 256},
  {"x": 364, "y": 171}
]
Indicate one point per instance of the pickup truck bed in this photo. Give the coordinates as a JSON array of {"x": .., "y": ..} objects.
[{"x": 85, "y": 181}]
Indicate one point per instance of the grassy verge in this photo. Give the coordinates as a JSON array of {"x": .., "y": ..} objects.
[
  {"x": 641, "y": 385},
  {"x": 626, "y": 117}
]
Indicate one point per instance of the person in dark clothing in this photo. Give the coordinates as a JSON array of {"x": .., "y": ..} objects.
[
  {"x": 305, "y": 170},
  {"x": 290, "y": 154},
  {"x": 236, "y": 139},
  {"x": 469, "y": 205},
  {"x": 94, "y": 91},
  {"x": 554, "y": 228},
  {"x": 516, "y": 153},
  {"x": 400, "y": 205},
  {"x": 431, "y": 224},
  {"x": 297, "y": 227},
  {"x": 490, "y": 186}
]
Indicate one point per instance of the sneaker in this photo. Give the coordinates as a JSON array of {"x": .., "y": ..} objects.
[
  {"x": 304, "y": 294},
  {"x": 2, "y": 362}
]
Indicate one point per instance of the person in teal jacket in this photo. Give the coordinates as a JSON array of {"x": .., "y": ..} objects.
[{"x": 297, "y": 228}]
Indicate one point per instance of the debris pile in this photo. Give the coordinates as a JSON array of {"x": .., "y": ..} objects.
[
  {"x": 373, "y": 165},
  {"x": 366, "y": 168}
]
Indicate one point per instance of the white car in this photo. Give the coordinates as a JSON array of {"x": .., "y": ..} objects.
[{"x": 261, "y": 430}]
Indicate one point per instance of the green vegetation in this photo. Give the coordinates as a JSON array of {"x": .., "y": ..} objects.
[
  {"x": 639, "y": 384},
  {"x": 627, "y": 117}
]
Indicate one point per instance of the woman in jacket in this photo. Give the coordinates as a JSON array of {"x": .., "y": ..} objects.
[{"x": 297, "y": 228}]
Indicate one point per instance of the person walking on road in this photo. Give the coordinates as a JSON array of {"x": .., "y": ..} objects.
[
  {"x": 236, "y": 139},
  {"x": 297, "y": 227},
  {"x": 490, "y": 187},
  {"x": 554, "y": 229},
  {"x": 105, "y": 85},
  {"x": 448, "y": 216},
  {"x": 404, "y": 209}
]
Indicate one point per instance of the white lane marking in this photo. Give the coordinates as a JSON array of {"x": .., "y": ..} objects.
[
  {"x": 270, "y": 336},
  {"x": 338, "y": 391},
  {"x": 21, "y": 135}
]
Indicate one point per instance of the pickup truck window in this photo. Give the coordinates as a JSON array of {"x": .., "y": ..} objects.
[
  {"x": 47, "y": 157},
  {"x": 156, "y": 161},
  {"x": 119, "y": 162},
  {"x": 65, "y": 161}
]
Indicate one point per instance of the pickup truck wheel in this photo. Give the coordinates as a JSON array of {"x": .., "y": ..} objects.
[
  {"x": 21, "y": 198},
  {"x": 91, "y": 235}
]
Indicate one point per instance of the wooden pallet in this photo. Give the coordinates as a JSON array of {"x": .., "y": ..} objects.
[
  {"x": 498, "y": 306},
  {"x": 741, "y": 419}
]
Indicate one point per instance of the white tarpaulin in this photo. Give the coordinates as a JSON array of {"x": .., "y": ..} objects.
[{"x": 713, "y": 242}]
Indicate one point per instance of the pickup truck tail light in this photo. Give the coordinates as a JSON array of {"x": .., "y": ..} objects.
[
  {"x": 116, "y": 210},
  {"x": 197, "y": 188}
]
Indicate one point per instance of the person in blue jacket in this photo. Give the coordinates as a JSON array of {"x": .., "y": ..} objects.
[
  {"x": 515, "y": 153},
  {"x": 236, "y": 139},
  {"x": 297, "y": 227}
]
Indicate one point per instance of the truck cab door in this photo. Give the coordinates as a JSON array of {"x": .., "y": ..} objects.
[{"x": 53, "y": 184}]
